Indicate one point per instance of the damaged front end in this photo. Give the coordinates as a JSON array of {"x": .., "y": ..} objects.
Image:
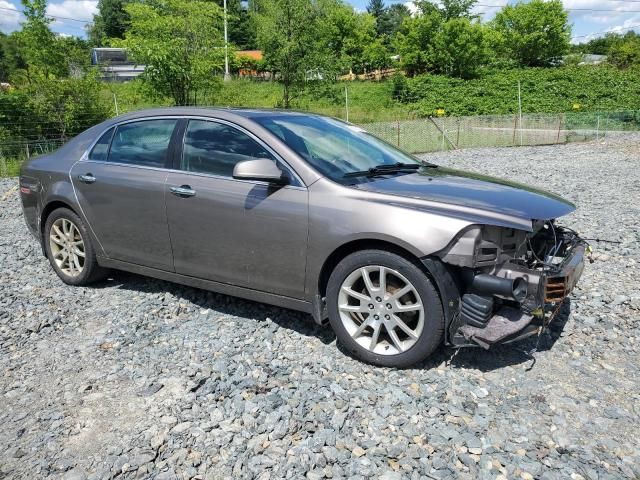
[{"x": 510, "y": 282}]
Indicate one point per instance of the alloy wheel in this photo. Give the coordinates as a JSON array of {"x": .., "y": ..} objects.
[
  {"x": 381, "y": 310},
  {"x": 67, "y": 247}
]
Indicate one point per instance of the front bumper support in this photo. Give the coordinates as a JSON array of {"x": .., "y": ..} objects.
[{"x": 510, "y": 323}]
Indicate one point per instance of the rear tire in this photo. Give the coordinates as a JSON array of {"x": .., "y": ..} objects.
[
  {"x": 69, "y": 249},
  {"x": 384, "y": 309}
]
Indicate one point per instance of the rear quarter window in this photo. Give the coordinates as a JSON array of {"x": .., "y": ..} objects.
[{"x": 100, "y": 150}]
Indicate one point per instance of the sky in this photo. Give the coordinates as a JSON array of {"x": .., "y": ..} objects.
[{"x": 590, "y": 18}]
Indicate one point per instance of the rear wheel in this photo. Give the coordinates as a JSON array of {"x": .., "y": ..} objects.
[
  {"x": 384, "y": 309},
  {"x": 69, "y": 249}
]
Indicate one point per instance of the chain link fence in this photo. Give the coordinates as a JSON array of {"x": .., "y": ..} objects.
[
  {"x": 14, "y": 153},
  {"x": 420, "y": 135}
]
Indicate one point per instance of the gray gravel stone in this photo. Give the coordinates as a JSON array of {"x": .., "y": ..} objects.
[{"x": 139, "y": 378}]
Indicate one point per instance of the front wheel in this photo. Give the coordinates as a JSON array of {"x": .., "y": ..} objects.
[{"x": 384, "y": 309}]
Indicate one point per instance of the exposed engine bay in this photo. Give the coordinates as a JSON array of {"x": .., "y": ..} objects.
[{"x": 511, "y": 281}]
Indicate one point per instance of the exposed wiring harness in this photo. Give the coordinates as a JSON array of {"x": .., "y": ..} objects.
[{"x": 562, "y": 237}]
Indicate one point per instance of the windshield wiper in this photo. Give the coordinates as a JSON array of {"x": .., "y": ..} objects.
[{"x": 384, "y": 169}]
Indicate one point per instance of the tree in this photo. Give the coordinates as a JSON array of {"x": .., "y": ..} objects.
[
  {"x": 38, "y": 43},
  {"x": 376, "y": 56},
  {"x": 625, "y": 52},
  {"x": 414, "y": 41},
  {"x": 111, "y": 21},
  {"x": 457, "y": 9},
  {"x": 533, "y": 34},
  {"x": 376, "y": 8},
  {"x": 242, "y": 28},
  {"x": 345, "y": 35},
  {"x": 288, "y": 34},
  {"x": 460, "y": 48},
  {"x": 180, "y": 43},
  {"x": 395, "y": 15},
  {"x": 11, "y": 58}
]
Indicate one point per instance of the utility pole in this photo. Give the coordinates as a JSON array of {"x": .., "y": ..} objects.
[{"x": 227, "y": 77}]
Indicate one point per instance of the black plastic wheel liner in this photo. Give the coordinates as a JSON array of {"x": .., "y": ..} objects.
[{"x": 449, "y": 294}]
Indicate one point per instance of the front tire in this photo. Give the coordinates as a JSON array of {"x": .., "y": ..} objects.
[
  {"x": 384, "y": 309},
  {"x": 69, "y": 249}
]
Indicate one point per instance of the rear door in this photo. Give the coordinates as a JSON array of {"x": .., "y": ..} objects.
[
  {"x": 121, "y": 188},
  {"x": 239, "y": 232}
]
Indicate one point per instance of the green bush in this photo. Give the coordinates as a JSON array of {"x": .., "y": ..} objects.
[{"x": 544, "y": 90}]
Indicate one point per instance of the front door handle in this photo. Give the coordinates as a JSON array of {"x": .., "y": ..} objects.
[
  {"x": 88, "y": 178},
  {"x": 182, "y": 191}
]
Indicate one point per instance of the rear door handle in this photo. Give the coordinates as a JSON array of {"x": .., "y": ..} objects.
[
  {"x": 88, "y": 178},
  {"x": 182, "y": 191}
]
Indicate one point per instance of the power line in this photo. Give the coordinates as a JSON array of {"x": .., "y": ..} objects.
[
  {"x": 613, "y": 30},
  {"x": 50, "y": 16},
  {"x": 568, "y": 9}
]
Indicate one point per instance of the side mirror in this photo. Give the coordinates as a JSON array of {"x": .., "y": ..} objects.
[{"x": 261, "y": 169}]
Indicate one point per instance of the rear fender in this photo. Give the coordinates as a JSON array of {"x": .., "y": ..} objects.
[{"x": 62, "y": 191}]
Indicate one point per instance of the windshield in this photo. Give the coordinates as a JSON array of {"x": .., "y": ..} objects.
[{"x": 336, "y": 149}]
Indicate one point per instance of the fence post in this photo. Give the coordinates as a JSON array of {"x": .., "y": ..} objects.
[
  {"x": 26, "y": 146},
  {"x": 559, "y": 127},
  {"x": 515, "y": 127},
  {"x": 115, "y": 102},
  {"x": 398, "y": 127},
  {"x": 520, "y": 111},
  {"x": 598, "y": 128},
  {"x": 443, "y": 127},
  {"x": 458, "y": 134},
  {"x": 346, "y": 102},
  {"x": 444, "y": 135},
  {"x": 3, "y": 166}
]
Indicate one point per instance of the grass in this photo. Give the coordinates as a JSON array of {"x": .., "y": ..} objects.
[
  {"x": 9, "y": 167},
  {"x": 368, "y": 101}
]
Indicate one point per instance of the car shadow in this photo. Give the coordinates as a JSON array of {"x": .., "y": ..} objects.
[
  {"x": 497, "y": 357},
  {"x": 299, "y": 322}
]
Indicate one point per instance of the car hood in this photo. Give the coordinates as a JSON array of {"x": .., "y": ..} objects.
[{"x": 472, "y": 190}]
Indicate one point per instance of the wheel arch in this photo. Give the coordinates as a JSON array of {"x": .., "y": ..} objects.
[
  {"x": 50, "y": 207},
  {"x": 443, "y": 277},
  {"x": 353, "y": 246}
]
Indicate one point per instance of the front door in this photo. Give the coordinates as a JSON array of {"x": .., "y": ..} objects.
[
  {"x": 121, "y": 189},
  {"x": 238, "y": 232}
]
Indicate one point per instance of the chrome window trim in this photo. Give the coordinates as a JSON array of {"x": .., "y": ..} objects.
[
  {"x": 85, "y": 155},
  {"x": 251, "y": 135},
  {"x": 184, "y": 172}
]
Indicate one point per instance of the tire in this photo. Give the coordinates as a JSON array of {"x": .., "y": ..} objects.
[
  {"x": 358, "y": 309},
  {"x": 65, "y": 236}
]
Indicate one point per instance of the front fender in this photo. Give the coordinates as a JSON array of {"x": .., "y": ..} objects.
[{"x": 359, "y": 217}]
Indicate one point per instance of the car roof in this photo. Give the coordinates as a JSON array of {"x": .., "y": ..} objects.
[{"x": 215, "y": 112}]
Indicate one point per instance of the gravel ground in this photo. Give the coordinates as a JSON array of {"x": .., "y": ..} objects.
[{"x": 137, "y": 378}]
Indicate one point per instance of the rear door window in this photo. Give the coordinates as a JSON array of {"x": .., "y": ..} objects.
[{"x": 144, "y": 143}]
